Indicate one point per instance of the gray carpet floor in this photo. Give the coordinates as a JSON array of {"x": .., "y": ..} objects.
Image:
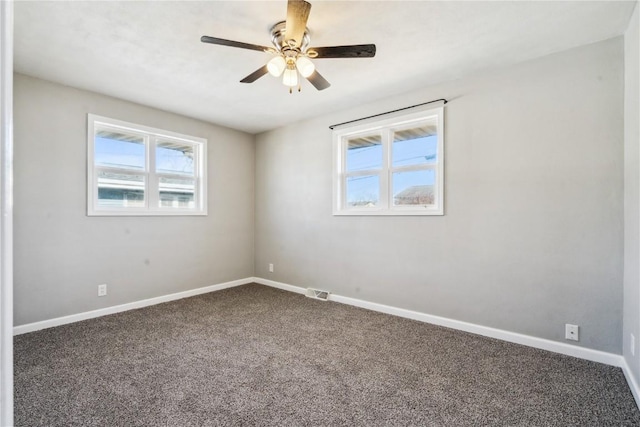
[{"x": 254, "y": 355}]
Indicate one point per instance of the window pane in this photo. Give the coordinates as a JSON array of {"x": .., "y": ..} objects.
[
  {"x": 174, "y": 157},
  {"x": 120, "y": 190},
  {"x": 177, "y": 192},
  {"x": 364, "y": 153},
  {"x": 414, "y": 188},
  {"x": 363, "y": 191},
  {"x": 415, "y": 146},
  {"x": 116, "y": 149}
]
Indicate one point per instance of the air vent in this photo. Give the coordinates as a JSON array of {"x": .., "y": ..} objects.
[{"x": 317, "y": 294}]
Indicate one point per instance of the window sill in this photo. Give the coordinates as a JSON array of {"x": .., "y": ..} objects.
[
  {"x": 386, "y": 212},
  {"x": 146, "y": 213}
]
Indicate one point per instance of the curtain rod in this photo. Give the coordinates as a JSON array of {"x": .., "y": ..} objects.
[{"x": 388, "y": 112}]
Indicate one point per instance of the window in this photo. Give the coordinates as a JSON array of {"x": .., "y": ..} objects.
[
  {"x": 138, "y": 170},
  {"x": 390, "y": 167}
]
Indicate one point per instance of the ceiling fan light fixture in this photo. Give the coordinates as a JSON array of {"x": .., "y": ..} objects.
[
  {"x": 276, "y": 66},
  {"x": 290, "y": 77},
  {"x": 305, "y": 66}
]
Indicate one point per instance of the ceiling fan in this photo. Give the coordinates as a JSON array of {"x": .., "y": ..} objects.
[{"x": 291, "y": 50}]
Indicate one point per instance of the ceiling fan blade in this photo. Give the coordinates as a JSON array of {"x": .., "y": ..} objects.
[
  {"x": 231, "y": 43},
  {"x": 255, "y": 75},
  {"x": 318, "y": 81},
  {"x": 297, "y": 16},
  {"x": 353, "y": 51}
]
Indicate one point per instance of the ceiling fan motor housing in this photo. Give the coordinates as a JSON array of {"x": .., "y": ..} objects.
[{"x": 278, "y": 38}]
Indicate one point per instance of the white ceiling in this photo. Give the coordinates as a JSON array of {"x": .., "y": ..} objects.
[{"x": 150, "y": 52}]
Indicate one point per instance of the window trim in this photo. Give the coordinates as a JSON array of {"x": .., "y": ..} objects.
[
  {"x": 151, "y": 136},
  {"x": 385, "y": 128}
]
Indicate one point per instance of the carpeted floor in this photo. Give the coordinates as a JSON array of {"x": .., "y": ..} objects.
[{"x": 254, "y": 355}]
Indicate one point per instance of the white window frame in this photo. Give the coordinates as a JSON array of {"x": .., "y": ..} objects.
[
  {"x": 151, "y": 190},
  {"x": 385, "y": 129}
]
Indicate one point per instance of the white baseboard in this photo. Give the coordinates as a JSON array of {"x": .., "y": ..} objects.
[
  {"x": 283, "y": 286},
  {"x": 541, "y": 343},
  {"x": 514, "y": 337},
  {"x": 36, "y": 326},
  {"x": 528, "y": 340},
  {"x": 631, "y": 380}
]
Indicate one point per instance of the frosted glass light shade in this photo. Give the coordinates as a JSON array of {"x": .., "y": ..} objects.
[
  {"x": 276, "y": 66},
  {"x": 305, "y": 66},
  {"x": 290, "y": 77}
]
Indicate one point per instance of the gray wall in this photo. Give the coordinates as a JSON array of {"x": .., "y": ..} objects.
[
  {"x": 532, "y": 236},
  {"x": 631, "y": 194},
  {"x": 61, "y": 255}
]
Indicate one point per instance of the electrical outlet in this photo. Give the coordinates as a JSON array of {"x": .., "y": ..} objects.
[
  {"x": 632, "y": 345},
  {"x": 571, "y": 332},
  {"x": 270, "y": 268},
  {"x": 102, "y": 290}
]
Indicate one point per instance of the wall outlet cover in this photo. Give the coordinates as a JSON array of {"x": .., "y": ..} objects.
[
  {"x": 572, "y": 332},
  {"x": 102, "y": 290}
]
